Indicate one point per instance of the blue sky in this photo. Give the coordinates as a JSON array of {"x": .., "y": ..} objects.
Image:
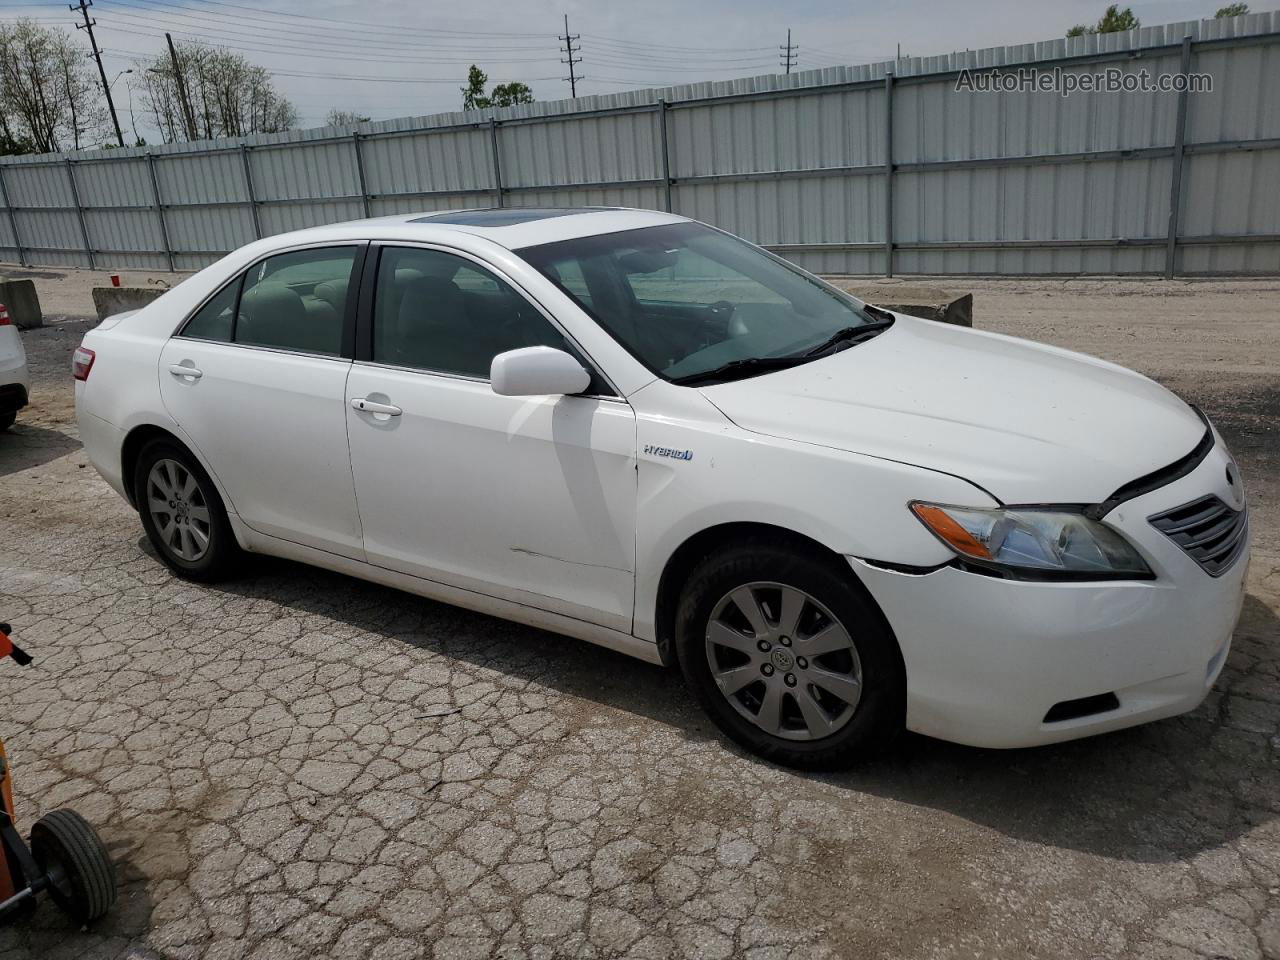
[{"x": 389, "y": 58}]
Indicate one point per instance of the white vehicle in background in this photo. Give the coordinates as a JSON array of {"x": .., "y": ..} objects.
[
  {"x": 635, "y": 429},
  {"x": 15, "y": 384}
]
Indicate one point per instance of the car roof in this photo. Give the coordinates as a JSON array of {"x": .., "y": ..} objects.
[{"x": 509, "y": 227}]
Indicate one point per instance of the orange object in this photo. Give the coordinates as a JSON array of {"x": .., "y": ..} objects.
[
  {"x": 6, "y": 797},
  {"x": 115, "y": 279},
  {"x": 949, "y": 531}
]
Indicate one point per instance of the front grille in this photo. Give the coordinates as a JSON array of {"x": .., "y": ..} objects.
[{"x": 1207, "y": 530}]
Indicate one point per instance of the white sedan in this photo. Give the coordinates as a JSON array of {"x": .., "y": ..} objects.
[
  {"x": 640, "y": 431},
  {"x": 15, "y": 383}
]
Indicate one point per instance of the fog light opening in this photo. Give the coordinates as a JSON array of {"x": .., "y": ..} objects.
[{"x": 1084, "y": 707}]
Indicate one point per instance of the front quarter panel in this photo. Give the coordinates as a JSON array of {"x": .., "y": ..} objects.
[{"x": 698, "y": 470}]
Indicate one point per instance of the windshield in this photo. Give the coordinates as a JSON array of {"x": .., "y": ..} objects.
[{"x": 687, "y": 300}]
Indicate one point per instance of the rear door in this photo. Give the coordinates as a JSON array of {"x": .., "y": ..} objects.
[
  {"x": 530, "y": 499},
  {"x": 256, "y": 379}
]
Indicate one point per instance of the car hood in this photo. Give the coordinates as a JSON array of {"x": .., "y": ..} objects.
[{"x": 1026, "y": 422}]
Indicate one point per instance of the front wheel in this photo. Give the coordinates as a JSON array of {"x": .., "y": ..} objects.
[{"x": 789, "y": 658}]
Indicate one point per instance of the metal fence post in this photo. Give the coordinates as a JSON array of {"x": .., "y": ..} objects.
[
  {"x": 888, "y": 174},
  {"x": 13, "y": 219},
  {"x": 666, "y": 152},
  {"x": 364, "y": 190},
  {"x": 84, "y": 227},
  {"x": 164, "y": 227},
  {"x": 497, "y": 161},
  {"x": 1179, "y": 145},
  {"x": 248, "y": 187}
]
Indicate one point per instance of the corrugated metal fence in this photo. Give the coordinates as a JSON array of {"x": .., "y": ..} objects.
[{"x": 877, "y": 169}]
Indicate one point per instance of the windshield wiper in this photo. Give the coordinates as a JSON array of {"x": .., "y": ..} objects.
[
  {"x": 851, "y": 335},
  {"x": 734, "y": 369}
]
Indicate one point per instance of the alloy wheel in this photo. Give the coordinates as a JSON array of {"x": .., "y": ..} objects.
[
  {"x": 179, "y": 510},
  {"x": 783, "y": 661}
]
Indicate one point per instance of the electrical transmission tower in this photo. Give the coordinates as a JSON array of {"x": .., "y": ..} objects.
[
  {"x": 790, "y": 54},
  {"x": 569, "y": 51},
  {"x": 83, "y": 7}
]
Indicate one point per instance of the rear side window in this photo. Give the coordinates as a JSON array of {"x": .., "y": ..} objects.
[
  {"x": 296, "y": 301},
  {"x": 213, "y": 320}
]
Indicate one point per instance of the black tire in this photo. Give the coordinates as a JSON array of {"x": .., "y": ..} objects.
[
  {"x": 220, "y": 558},
  {"x": 82, "y": 878},
  {"x": 7, "y": 420},
  {"x": 879, "y": 714}
]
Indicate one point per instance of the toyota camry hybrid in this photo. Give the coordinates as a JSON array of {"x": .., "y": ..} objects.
[{"x": 635, "y": 429}]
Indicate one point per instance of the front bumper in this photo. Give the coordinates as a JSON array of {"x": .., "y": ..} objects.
[{"x": 987, "y": 658}]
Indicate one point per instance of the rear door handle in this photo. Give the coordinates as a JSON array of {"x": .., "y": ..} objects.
[
  {"x": 372, "y": 406},
  {"x": 179, "y": 370}
]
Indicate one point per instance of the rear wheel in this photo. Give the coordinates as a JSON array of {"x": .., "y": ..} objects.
[
  {"x": 82, "y": 879},
  {"x": 789, "y": 658},
  {"x": 7, "y": 419},
  {"x": 183, "y": 514}
]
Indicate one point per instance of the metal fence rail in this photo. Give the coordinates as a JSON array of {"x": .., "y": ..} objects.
[{"x": 886, "y": 168}]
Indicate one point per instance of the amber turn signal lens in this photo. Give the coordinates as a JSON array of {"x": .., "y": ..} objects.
[{"x": 951, "y": 533}]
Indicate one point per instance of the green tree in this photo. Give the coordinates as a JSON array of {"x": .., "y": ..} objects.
[
  {"x": 473, "y": 97},
  {"x": 1113, "y": 20},
  {"x": 1232, "y": 10},
  {"x": 508, "y": 94},
  {"x": 502, "y": 94}
]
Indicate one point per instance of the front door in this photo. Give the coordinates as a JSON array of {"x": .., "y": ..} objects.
[
  {"x": 256, "y": 379},
  {"x": 530, "y": 499}
]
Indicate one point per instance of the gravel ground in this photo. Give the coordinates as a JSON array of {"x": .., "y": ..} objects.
[{"x": 299, "y": 764}]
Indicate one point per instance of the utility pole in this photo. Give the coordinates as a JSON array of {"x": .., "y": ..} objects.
[
  {"x": 788, "y": 57},
  {"x": 83, "y": 7},
  {"x": 569, "y": 51},
  {"x": 189, "y": 120}
]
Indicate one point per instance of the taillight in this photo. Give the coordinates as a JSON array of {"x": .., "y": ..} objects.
[
  {"x": 4, "y": 316},
  {"x": 82, "y": 363}
]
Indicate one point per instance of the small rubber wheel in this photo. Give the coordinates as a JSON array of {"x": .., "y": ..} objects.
[
  {"x": 82, "y": 878},
  {"x": 183, "y": 514},
  {"x": 790, "y": 657},
  {"x": 7, "y": 420}
]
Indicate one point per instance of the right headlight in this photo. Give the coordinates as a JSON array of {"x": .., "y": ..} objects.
[{"x": 1044, "y": 541}]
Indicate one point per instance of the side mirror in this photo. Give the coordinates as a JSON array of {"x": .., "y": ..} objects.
[{"x": 537, "y": 372}]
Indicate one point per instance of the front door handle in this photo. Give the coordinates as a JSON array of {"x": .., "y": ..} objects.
[
  {"x": 181, "y": 370},
  {"x": 372, "y": 406}
]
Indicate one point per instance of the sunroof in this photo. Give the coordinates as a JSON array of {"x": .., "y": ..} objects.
[{"x": 502, "y": 216}]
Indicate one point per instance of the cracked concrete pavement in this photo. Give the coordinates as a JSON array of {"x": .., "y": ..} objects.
[{"x": 297, "y": 764}]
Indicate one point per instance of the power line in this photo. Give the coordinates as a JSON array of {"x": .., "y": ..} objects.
[
  {"x": 97, "y": 55},
  {"x": 568, "y": 39},
  {"x": 788, "y": 58}
]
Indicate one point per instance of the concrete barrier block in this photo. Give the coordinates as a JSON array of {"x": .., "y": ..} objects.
[
  {"x": 931, "y": 303},
  {"x": 24, "y": 306},
  {"x": 112, "y": 300}
]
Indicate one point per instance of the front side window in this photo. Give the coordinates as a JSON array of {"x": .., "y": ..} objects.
[
  {"x": 296, "y": 301},
  {"x": 695, "y": 305},
  {"x": 439, "y": 312}
]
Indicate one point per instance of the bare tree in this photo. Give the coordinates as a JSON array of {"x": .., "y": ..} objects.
[
  {"x": 343, "y": 118},
  {"x": 85, "y": 115},
  {"x": 49, "y": 98},
  {"x": 228, "y": 96}
]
